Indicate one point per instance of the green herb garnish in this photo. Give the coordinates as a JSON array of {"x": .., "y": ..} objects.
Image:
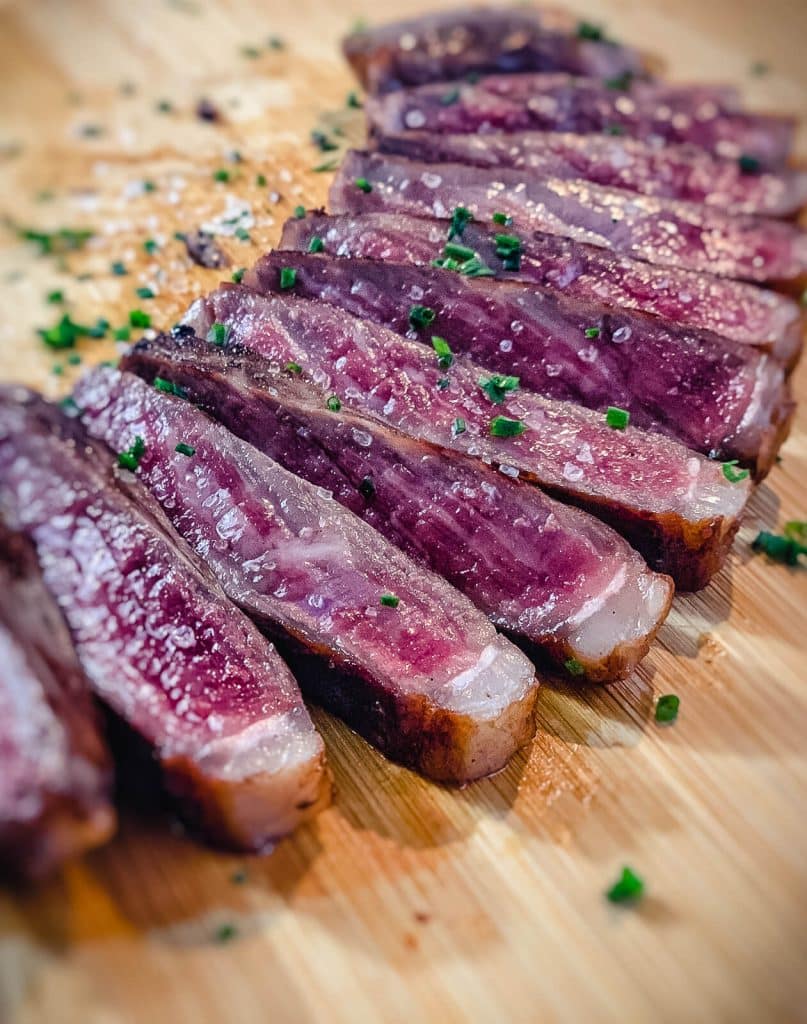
[
  {"x": 620, "y": 82},
  {"x": 502, "y": 426},
  {"x": 367, "y": 487},
  {"x": 288, "y": 278},
  {"x": 118, "y": 269},
  {"x": 130, "y": 459},
  {"x": 145, "y": 293},
  {"x": 779, "y": 549},
  {"x": 322, "y": 142},
  {"x": 592, "y": 332},
  {"x": 353, "y": 101},
  {"x": 502, "y": 218},
  {"x": 732, "y": 474},
  {"x": 293, "y": 368},
  {"x": 260, "y": 180},
  {"x": 185, "y": 449},
  {"x": 617, "y": 418},
  {"x": 363, "y": 185},
  {"x": 316, "y": 244},
  {"x": 449, "y": 98},
  {"x": 458, "y": 427},
  {"x": 498, "y": 386},
  {"x": 150, "y": 246},
  {"x": 574, "y": 667},
  {"x": 614, "y": 129},
  {"x": 508, "y": 249},
  {"x": 65, "y": 333},
  {"x": 55, "y": 298},
  {"x": 166, "y": 386},
  {"x": 420, "y": 317},
  {"x": 390, "y": 600},
  {"x": 329, "y": 165},
  {"x": 222, "y": 174},
  {"x": 333, "y": 403},
  {"x": 250, "y": 52},
  {"x": 225, "y": 933},
  {"x": 299, "y": 212},
  {"x": 445, "y": 357},
  {"x": 460, "y": 219},
  {"x": 238, "y": 275},
  {"x": 218, "y": 334},
  {"x": 588, "y": 30},
  {"x": 667, "y": 708},
  {"x": 121, "y": 334},
  {"x": 137, "y": 318},
  {"x": 55, "y": 242},
  {"x": 627, "y": 889},
  {"x": 242, "y": 234},
  {"x": 461, "y": 253},
  {"x": 796, "y": 530},
  {"x": 749, "y": 164}
]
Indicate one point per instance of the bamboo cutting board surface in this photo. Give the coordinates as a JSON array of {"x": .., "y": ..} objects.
[{"x": 404, "y": 901}]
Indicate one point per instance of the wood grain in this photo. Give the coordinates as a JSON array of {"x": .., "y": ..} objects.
[{"x": 406, "y": 901}]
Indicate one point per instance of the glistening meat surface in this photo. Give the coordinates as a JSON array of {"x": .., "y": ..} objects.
[
  {"x": 56, "y": 778},
  {"x": 666, "y": 232},
  {"x": 715, "y": 396},
  {"x": 159, "y": 642},
  {"x": 743, "y": 312},
  {"x": 423, "y": 674},
  {"x": 540, "y": 569},
  {"x": 677, "y": 507}
]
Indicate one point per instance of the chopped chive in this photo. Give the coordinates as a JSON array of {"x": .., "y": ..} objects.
[
  {"x": 299, "y": 212},
  {"x": 779, "y": 549},
  {"x": 99, "y": 328},
  {"x": 150, "y": 246},
  {"x": 333, "y": 403},
  {"x": 508, "y": 249},
  {"x": 458, "y": 252},
  {"x": 592, "y": 332},
  {"x": 460, "y": 219},
  {"x": 69, "y": 406},
  {"x": 443, "y": 383},
  {"x": 145, "y": 293},
  {"x": 166, "y": 386},
  {"x": 238, "y": 877},
  {"x": 573, "y": 667},
  {"x": 617, "y": 418},
  {"x": 796, "y": 530},
  {"x": 238, "y": 275},
  {"x": 121, "y": 334},
  {"x": 503, "y": 219},
  {"x": 222, "y": 174},
  {"x": 329, "y": 165},
  {"x": 367, "y": 487},
  {"x": 130, "y": 459},
  {"x": 55, "y": 297},
  {"x": 363, "y": 185},
  {"x": 242, "y": 234},
  {"x": 497, "y": 386},
  {"x": 74, "y": 359},
  {"x": 137, "y": 318},
  {"x": 57, "y": 369},
  {"x": 449, "y": 98},
  {"x": 732, "y": 474},
  {"x": 445, "y": 357},
  {"x": 502, "y": 426},
  {"x": 250, "y": 52},
  {"x": 288, "y": 277},
  {"x": 260, "y": 180},
  {"x": 185, "y": 449},
  {"x": 353, "y": 101},
  {"x": 458, "y": 426},
  {"x": 225, "y": 933},
  {"x": 448, "y": 263},
  {"x": 390, "y": 600},
  {"x": 614, "y": 129},
  {"x": 55, "y": 242},
  {"x": 218, "y": 334},
  {"x": 276, "y": 43},
  {"x": 322, "y": 142},
  {"x": 293, "y": 368},
  {"x": 749, "y": 164},
  {"x": 476, "y": 268},
  {"x": 627, "y": 889},
  {"x": 420, "y": 317},
  {"x": 620, "y": 82},
  {"x": 65, "y": 333},
  {"x": 316, "y": 244},
  {"x": 588, "y": 30},
  {"x": 667, "y": 708},
  {"x": 164, "y": 107}
]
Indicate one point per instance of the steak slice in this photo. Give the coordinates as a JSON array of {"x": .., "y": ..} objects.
[
  {"x": 722, "y": 399},
  {"x": 703, "y": 115},
  {"x": 56, "y": 778},
  {"x": 678, "y": 508},
  {"x": 453, "y": 44},
  {"x": 422, "y": 674},
  {"x": 539, "y": 569},
  {"x": 159, "y": 642},
  {"x": 666, "y": 232},
  {"x": 734, "y": 309},
  {"x": 681, "y": 171}
]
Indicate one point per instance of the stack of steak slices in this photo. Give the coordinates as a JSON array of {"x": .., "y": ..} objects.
[{"x": 518, "y": 381}]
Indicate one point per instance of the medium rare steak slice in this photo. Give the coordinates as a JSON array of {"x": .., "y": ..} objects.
[
  {"x": 545, "y": 571},
  {"x": 667, "y": 171},
  {"x": 423, "y": 674},
  {"x": 666, "y": 232},
  {"x": 703, "y": 115},
  {"x": 678, "y": 508},
  {"x": 56, "y": 776},
  {"x": 740, "y": 311},
  {"x": 158, "y": 640},
  {"x": 453, "y": 44},
  {"x": 722, "y": 399}
]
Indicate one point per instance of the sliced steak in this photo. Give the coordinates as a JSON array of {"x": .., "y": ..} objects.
[
  {"x": 421, "y": 673},
  {"x": 677, "y": 507},
  {"x": 666, "y": 232},
  {"x": 56, "y": 778},
  {"x": 158, "y": 640}
]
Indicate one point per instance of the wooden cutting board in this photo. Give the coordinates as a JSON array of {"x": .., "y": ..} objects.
[{"x": 404, "y": 901}]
